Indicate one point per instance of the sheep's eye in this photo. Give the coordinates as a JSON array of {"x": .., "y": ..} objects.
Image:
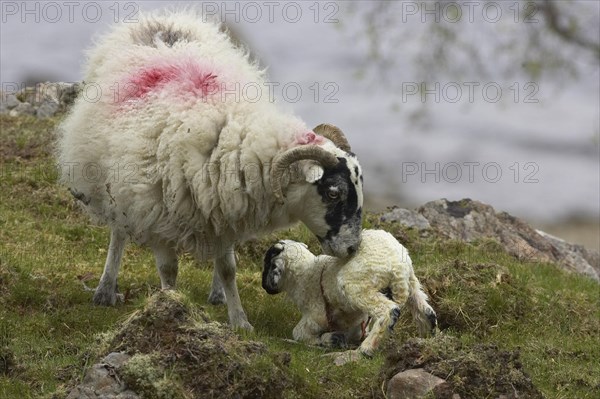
[{"x": 333, "y": 194}]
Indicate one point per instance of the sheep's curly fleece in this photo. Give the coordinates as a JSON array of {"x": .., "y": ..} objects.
[{"x": 186, "y": 163}]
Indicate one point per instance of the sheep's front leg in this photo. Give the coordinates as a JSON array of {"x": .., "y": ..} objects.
[
  {"x": 106, "y": 292},
  {"x": 225, "y": 267},
  {"x": 217, "y": 293},
  {"x": 166, "y": 263}
]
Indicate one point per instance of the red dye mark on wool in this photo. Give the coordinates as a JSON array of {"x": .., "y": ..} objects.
[{"x": 183, "y": 77}]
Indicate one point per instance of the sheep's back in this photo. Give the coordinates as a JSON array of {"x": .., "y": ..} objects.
[
  {"x": 380, "y": 259},
  {"x": 173, "y": 149}
]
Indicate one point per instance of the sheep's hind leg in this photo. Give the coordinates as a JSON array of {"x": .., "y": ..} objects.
[
  {"x": 217, "y": 293},
  {"x": 106, "y": 292},
  {"x": 225, "y": 266},
  {"x": 166, "y": 263}
]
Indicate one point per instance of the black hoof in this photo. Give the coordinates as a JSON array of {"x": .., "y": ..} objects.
[
  {"x": 432, "y": 318},
  {"x": 217, "y": 298},
  {"x": 394, "y": 316},
  {"x": 338, "y": 340},
  {"x": 105, "y": 298}
]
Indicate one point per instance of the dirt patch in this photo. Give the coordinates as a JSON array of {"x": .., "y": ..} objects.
[
  {"x": 176, "y": 352},
  {"x": 478, "y": 371}
]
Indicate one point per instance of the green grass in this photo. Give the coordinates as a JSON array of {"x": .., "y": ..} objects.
[{"x": 49, "y": 329}]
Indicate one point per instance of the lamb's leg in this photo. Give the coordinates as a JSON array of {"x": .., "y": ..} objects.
[
  {"x": 334, "y": 339},
  {"x": 166, "y": 263},
  {"x": 106, "y": 292},
  {"x": 422, "y": 312},
  {"x": 217, "y": 294},
  {"x": 385, "y": 317},
  {"x": 384, "y": 312},
  {"x": 225, "y": 266},
  {"x": 357, "y": 333},
  {"x": 307, "y": 331}
]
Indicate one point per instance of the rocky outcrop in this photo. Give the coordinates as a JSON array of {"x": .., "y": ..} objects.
[
  {"x": 469, "y": 220},
  {"x": 44, "y": 100}
]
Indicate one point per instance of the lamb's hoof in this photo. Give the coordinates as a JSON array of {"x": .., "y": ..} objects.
[
  {"x": 107, "y": 298},
  {"x": 394, "y": 316},
  {"x": 432, "y": 318},
  {"x": 217, "y": 297},
  {"x": 338, "y": 340},
  {"x": 367, "y": 352}
]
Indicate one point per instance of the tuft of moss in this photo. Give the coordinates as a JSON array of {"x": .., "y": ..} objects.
[
  {"x": 178, "y": 349},
  {"x": 145, "y": 375}
]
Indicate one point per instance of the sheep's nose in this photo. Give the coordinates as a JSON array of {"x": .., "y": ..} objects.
[{"x": 352, "y": 249}]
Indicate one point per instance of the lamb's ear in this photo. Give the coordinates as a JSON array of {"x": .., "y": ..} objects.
[
  {"x": 273, "y": 269},
  {"x": 312, "y": 171}
]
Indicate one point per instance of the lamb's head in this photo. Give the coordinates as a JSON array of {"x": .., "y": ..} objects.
[
  {"x": 282, "y": 260},
  {"x": 328, "y": 197}
]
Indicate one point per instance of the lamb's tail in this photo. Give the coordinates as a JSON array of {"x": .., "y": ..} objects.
[{"x": 422, "y": 312}]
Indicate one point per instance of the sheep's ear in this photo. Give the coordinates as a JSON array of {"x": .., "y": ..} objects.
[{"x": 312, "y": 171}]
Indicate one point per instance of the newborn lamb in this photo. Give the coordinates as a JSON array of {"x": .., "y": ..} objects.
[{"x": 337, "y": 297}]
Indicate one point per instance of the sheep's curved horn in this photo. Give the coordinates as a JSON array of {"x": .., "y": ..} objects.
[
  {"x": 283, "y": 161},
  {"x": 334, "y": 134}
]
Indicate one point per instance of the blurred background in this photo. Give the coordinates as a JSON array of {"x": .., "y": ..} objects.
[{"x": 495, "y": 101}]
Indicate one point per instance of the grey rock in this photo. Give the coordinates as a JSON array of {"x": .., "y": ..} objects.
[
  {"x": 406, "y": 217},
  {"x": 29, "y": 95},
  {"x": 22, "y": 109},
  {"x": 62, "y": 93},
  {"x": 47, "y": 109},
  {"x": 102, "y": 380},
  {"x": 116, "y": 359},
  {"x": 470, "y": 220},
  {"x": 575, "y": 258},
  {"x": 412, "y": 384},
  {"x": 11, "y": 101},
  {"x": 43, "y": 100},
  {"x": 68, "y": 93}
]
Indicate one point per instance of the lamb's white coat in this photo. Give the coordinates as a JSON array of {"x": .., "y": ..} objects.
[
  {"x": 176, "y": 170},
  {"x": 336, "y": 297}
]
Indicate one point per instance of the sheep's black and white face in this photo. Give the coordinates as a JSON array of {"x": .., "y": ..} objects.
[{"x": 335, "y": 216}]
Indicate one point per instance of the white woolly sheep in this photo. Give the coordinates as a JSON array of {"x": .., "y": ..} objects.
[
  {"x": 336, "y": 297},
  {"x": 170, "y": 154}
]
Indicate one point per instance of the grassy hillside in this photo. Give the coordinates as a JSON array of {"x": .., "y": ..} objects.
[{"x": 49, "y": 330}]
